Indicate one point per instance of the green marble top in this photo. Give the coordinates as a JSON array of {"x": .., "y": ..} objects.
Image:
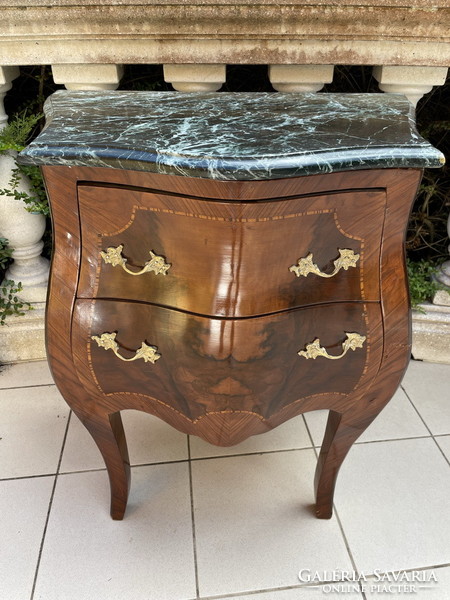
[{"x": 241, "y": 136}]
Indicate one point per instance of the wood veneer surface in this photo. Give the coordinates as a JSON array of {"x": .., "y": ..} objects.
[{"x": 353, "y": 403}]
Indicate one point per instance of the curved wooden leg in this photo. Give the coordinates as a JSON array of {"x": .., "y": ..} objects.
[
  {"x": 107, "y": 432},
  {"x": 341, "y": 431}
]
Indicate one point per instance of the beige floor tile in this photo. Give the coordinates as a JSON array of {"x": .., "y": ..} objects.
[
  {"x": 149, "y": 439},
  {"x": 427, "y": 384},
  {"x": 392, "y": 498},
  {"x": 32, "y": 426},
  {"x": 302, "y": 593},
  {"x": 444, "y": 444},
  {"x": 147, "y": 556},
  {"x": 254, "y": 523},
  {"x": 397, "y": 420},
  {"x": 25, "y": 374},
  {"x": 423, "y": 590},
  {"x": 292, "y": 434},
  {"x": 23, "y": 510}
]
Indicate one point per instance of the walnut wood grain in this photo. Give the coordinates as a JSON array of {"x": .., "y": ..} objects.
[
  {"x": 223, "y": 366},
  {"x": 352, "y": 409},
  {"x": 345, "y": 426},
  {"x": 257, "y": 244}
]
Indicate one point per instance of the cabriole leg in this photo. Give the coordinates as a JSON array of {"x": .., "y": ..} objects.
[
  {"x": 341, "y": 432},
  {"x": 107, "y": 432}
]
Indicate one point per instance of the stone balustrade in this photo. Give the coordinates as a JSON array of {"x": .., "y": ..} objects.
[{"x": 87, "y": 43}]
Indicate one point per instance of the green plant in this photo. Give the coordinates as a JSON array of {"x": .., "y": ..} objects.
[
  {"x": 17, "y": 132},
  {"x": 5, "y": 255},
  {"x": 37, "y": 201},
  {"x": 10, "y": 303},
  {"x": 14, "y": 138},
  {"x": 422, "y": 286}
]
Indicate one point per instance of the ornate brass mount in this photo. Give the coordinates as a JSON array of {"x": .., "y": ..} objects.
[
  {"x": 108, "y": 342},
  {"x": 347, "y": 258},
  {"x": 157, "y": 264},
  {"x": 313, "y": 350}
]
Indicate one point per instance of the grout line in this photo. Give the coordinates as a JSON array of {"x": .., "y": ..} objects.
[
  {"x": 214, "y": 457},
  {"x": 255, "y": 453},
  {"x": 164, "y": 462},
  {"x": 336, "y": 514},
  {"x": 28, "y": 477},
  {"x": 427, "y": 568},
  {"x": 49, "y": 508},
  {"x": 300, "y": 587},
  {"x": 441, "y": 451},
  {"x": 347, "y": 545},
  {"x": 309, "y": 433},
  {"x": 200, "y": 458},
  {"x": 194, "y": 540},
  {"x": 25, "y": 387},
  {"x": 423, "y": 421},
  {"x": 310, "y": 585},
  {"x": 403, "y": 439},
  {"x": 414, "y": 406}
]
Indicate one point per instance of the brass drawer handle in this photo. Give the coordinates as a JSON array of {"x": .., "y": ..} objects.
[
  {"x": 313, "y": 350},
  {"x": 157, "y": 264},
  {"x": 347, "y": 258},
  {"x": 108, "y": 342}
]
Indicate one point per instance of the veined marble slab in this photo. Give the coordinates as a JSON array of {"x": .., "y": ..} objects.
[{"x": 241, "y": 136}]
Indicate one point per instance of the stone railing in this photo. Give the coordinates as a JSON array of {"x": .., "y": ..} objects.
[{"x": 87, "y": 43}]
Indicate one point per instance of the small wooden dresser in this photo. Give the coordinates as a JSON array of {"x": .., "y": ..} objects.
[{"x": 228, "y": 261}]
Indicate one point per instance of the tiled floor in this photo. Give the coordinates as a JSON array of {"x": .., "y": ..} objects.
[{"x": 206, "y": 522}]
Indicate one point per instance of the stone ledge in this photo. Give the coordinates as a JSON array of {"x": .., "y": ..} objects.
[
  {"x": 227, "y": 21},
  {"x": 321, "y": 32},
  {"x": 22, "y": 338},
  {"x": 431, "y": 334},
  {"x": 426, "y": 4},
  {"x": 181, "y": 51}
]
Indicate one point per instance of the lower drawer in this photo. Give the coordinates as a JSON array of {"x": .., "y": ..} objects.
[{"x": 202, "y": 374}]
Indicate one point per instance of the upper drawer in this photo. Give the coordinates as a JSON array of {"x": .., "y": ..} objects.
[{"x": 230, "y": 258}]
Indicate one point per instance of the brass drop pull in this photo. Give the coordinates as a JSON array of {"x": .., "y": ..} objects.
[
  {"x": 313, "y": 350},
  {"x": 347, "y": 258},
  {"x": 157, "y": 264},
  {"x": 108, "y": 342}
]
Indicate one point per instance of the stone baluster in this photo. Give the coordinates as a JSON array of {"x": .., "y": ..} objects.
[
  {"x": 415, "y": 82},
  {"x": 7, "y": 75},
  {"x": 300, "y": 78},
  {"x": 87, "y": 77},
  {"x": 443, "y": 276},
  {"x": 431, "y": 329},
  {"x": 195, "y": 77},
  {"x": 22, "y": 338},
  {"x": 23, "y": 229}
]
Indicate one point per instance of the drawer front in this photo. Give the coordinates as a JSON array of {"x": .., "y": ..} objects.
[
  {"x": 184, "y": 367},
  {"x": 230, "y": 259}
]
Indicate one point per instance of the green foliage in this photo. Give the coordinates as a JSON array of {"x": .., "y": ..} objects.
[
  {"x": 5, "y": 255},
  {"x": 10, "y": 303},
  {"x": 427, "y": 236},
  {"x": 14, "y": 137},
  {"x": 422, "y": 286},
  {"x": 16, "y": 134},
  {"x": 37, "y": 201}
]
